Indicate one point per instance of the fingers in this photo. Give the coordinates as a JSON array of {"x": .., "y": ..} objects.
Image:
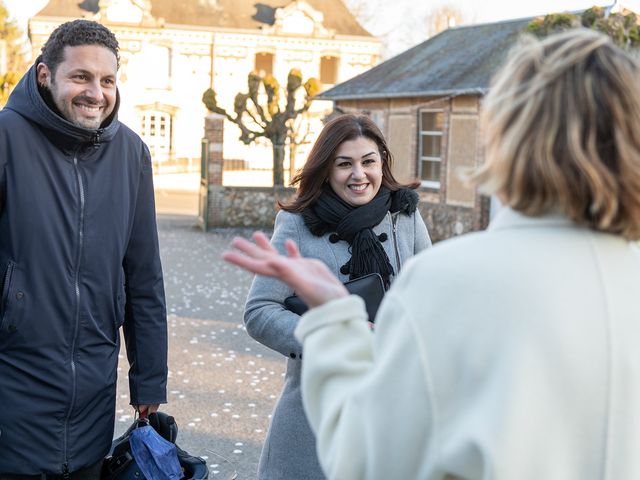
[
  {"x": 292, "y": 249},
  {"x": 261, "y": 267},
  {"x": 262, "y": 249},
  {"x": 263, "y": 242},
  {"x": 247, "y": 247},
  {"x": 261, "y": 257},
  {"x": 143, "y": 410}
]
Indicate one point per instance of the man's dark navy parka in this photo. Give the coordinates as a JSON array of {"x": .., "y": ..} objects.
[{"x": 78, "y": 258}]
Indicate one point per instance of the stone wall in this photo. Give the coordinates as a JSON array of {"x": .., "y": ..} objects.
[
  {"x": 446, "y": 221},
  {"x": 253, "y": 207},
  {"x": 256, "y": 207}
]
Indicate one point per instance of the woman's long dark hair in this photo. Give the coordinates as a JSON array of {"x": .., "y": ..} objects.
[{"x": 316, "y": 170}]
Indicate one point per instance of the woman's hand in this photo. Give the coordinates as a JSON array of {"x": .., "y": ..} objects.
[{"x": 310, "y": 279}]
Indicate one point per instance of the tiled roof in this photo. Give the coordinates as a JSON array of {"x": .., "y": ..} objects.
[
  {"x": 458, "y": 60},
  {"x": 244, "y": 14}
]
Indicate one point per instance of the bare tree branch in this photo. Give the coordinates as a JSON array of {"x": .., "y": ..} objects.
[{"x": 272, "y": 119}]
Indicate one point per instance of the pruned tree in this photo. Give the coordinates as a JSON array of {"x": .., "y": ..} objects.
[
  {"x": 12, "y": 59},
  {"x": 272, "y": 119},
  {"x": 622, "y": 27}
]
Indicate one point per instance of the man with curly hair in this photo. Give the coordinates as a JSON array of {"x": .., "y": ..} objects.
[{"x": 79, "y": 258}]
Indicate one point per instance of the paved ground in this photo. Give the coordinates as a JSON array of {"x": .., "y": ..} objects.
[
  {"x": 222, "y": 384},
  {"x": 177, "y": 193}
]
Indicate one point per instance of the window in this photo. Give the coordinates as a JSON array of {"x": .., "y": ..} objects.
[
  {"x": 329, "y": 70},
  {"x": 430, "y": 147},
  {"x": 156, "y": 133},
  {"x": 264, "y": 63}
]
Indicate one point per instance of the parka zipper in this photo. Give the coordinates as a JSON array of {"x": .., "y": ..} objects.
[
  {"x": 76, "y": 285},
  {"x": 6, "y": 283},
  {"x": 394, "y": 220},
  {"x": 95, "y": 139}
]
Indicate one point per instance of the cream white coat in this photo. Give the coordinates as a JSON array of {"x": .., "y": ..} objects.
[{"x": 508, "y": 354}]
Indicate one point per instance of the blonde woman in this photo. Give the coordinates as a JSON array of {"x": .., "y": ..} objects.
[{"x": 521, "y": 361}]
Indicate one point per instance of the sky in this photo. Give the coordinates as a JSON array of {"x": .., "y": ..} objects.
[{"x": 401, "y": 21}]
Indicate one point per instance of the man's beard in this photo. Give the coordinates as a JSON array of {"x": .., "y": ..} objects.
[{"x": 47, "y": 95}]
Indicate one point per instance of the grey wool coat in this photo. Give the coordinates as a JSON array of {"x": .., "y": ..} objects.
[{"x": 289, "y": 452}]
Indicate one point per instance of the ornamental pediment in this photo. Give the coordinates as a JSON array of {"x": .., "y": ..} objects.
[{"x": 299, "y": 18}]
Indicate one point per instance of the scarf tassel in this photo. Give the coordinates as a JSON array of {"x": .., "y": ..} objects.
[{"x": 368, "y": 256}]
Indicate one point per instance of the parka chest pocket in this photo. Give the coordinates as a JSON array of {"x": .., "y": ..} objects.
[{"x": 12, "y": 300}]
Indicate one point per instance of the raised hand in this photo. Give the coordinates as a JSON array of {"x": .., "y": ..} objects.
[{"x": 310, "y": 279}]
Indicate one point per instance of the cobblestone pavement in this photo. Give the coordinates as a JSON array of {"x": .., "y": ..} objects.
[{"x": 222, "y": 384}]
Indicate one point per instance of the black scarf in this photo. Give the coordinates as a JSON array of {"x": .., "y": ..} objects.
[{"x": 355, "y": 225}]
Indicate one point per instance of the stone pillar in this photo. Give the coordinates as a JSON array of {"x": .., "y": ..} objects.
[{"x": 211, "y": 211}]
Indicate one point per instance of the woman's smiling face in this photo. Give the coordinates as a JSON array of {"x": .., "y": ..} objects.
[{"x": 356, "y": 174}]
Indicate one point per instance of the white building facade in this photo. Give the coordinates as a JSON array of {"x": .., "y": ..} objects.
[{"x": 171, "y": 52}]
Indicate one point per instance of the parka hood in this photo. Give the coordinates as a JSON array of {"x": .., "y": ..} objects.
[{"x": 27, "y": 100}]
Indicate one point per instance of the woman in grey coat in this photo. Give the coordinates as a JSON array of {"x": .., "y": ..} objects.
[{"x": 351, "y": 213}]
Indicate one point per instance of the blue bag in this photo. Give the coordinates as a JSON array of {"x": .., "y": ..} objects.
[{"x": 156, "y": 457}]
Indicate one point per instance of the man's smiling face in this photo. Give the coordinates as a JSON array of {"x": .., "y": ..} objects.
[{"x": 83, "y": 85}]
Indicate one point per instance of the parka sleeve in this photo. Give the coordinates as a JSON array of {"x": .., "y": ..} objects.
[
  {"x": 145, "y": 325},
  {"x": 265, "y": 317}
]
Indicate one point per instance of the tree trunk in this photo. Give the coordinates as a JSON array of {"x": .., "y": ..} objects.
[
  {"x": 293, "y": 153},
  {"x": 278, "y": 164}
]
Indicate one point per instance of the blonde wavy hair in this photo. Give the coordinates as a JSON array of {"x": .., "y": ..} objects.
[{"x": 561, "y": 124}]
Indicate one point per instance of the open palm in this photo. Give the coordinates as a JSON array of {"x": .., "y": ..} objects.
[{"x": 312, "y": 281}]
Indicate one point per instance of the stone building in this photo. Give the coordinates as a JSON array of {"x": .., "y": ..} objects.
[
  {"x": 427, "y": 101},
  {"x": 173, "y": 51}
]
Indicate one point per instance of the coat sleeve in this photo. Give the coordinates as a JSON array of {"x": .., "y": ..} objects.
[
  {"x": 265, "y": 317},
  {"x": 145, "y": 325},
  {"x": 366, "y": 396},
  {"x": 422, "y": 238}
]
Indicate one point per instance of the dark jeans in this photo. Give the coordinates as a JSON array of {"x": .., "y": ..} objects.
[{"x": 87, "y": 473}]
